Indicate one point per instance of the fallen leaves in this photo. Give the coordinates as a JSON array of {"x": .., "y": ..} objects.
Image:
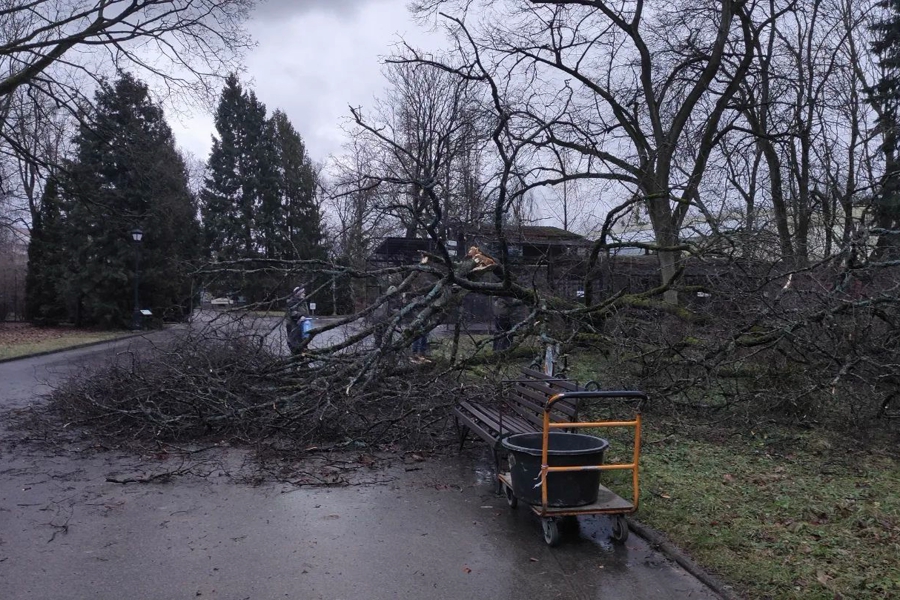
[
  {"x": 21, "y": 339},
  {"x": 12, "y": 334}
]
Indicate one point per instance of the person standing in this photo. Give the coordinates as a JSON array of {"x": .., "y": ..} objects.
[
  {"x": 419, "y": 345},
  {"x": 502, "y": 309},
  {"x": 382, "y": 315},
  {"x": 297, "y": 313}
]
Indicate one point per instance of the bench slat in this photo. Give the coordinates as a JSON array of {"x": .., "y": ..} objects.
[
  {"x": 475, "y": 426},
  {"x": 491, "y": 417},
  {"x": 522, "y": 410},
  {"x": 565, "y": 384},
  {"x": 544, "y": 387},
  {"x": 539, "y": 402},
  {"x": 535, "y": 412},
  {"x": 537, "y": 422}
]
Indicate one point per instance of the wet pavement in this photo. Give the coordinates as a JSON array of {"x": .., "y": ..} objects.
[{"x": 407, "y": 529}]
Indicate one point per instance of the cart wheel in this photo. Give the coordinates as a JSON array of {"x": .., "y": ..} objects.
[
  {"x": 619, "y": 529},
  {"x": 511, "y": 498},
  {"x": 551, "y": 532}
]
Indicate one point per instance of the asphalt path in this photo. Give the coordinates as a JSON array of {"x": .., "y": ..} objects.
[{"x": 406, "y": 529}]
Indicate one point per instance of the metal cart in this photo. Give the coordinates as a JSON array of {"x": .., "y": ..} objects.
[{"x": 608, "y": 502}]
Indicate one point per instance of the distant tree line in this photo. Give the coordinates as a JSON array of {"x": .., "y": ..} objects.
[
  {"x": 120, "y": 168},
  {"x": 259, "y": 199},
  {"x": 125, "y": 173},
  {"x": 759, "y": 130}
]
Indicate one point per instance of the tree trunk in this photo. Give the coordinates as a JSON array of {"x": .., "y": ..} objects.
[
  {"x": 666, "y": 233},
  {"x": 669, "y": 263},
  {"x": 773, "y": 165}
]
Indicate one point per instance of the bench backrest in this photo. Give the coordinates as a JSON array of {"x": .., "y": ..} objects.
[
  {"x": 563, "y": 384},
  {"x": 528, "y": 397}
]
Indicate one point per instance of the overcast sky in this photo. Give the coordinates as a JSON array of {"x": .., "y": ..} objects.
[{"x": 313, "y": 59}]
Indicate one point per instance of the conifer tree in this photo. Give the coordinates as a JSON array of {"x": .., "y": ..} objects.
[
  {"x": 240, "y": 195},
  {"x": 261, "y": 183},
  {"x": 45, "y": 280},
  {"x": 126, "y": 174},
  {"x": 886, "y": 98},
  {"x": 259, "y": 199},
  {"x": 221, "y": 198},
  {"x": 302, "y": 229}
]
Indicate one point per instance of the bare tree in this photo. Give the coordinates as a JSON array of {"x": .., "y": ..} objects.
[
  {"x": 640, "y": 90},
  {"x": 426, "y": 132},
  {"x": 53, "y": 53},
  {"x": 49, "y": 43},
  {"x": 352, "y": 203},
  {"x": 36, "y": 136}
]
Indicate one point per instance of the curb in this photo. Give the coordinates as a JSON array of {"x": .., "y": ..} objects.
[
  {"x": 659, "y": 542},
  {"x": 75, "y": 347}
]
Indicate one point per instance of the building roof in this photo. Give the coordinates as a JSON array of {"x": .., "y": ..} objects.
[
  {"x": 535, "y": 234},
  {"x": 399, "y": 246},
  {"x": 405, "y": 249}
]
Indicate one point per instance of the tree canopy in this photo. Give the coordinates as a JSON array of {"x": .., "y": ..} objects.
[
  {"x": 259, "y": 197},
  {"x": 125, "y": 174}
]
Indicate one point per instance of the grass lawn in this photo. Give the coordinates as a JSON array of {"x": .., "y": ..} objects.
[
  {"x": 778, "y": 515},
  {"x": 776, "y": 512},
  {"x": 22, "y": 339}
]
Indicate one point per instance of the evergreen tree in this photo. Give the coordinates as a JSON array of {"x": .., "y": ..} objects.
[
  {"x": 885, "y": 97},
  {"x": 302, "y": 229},
  {"x": 221, "y": 198},
  {"x": 240, "y": 195},
  {"x": 127, "y": 173},
  {"x": 259, "y": 197},
  {"x": 261, "y": 182},
  {"x": 45, "y": 280}
]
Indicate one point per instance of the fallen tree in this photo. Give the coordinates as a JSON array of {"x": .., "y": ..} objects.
[{"x": 204, "y": 387}]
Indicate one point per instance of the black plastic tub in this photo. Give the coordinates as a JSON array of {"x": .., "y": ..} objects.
[{"x": 574, "y": 488}]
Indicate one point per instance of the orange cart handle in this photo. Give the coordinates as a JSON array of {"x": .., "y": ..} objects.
[
  {"x": 633, "y": 466},
  {"x": 612, "y": 394}
]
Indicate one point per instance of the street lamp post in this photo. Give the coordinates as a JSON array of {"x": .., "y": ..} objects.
[{"x": 137, "y": 235}]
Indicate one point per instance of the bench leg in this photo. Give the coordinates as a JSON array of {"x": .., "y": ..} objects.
[
  {"x": 496, "y": 454},
  {"x": 462, "y": 432}
]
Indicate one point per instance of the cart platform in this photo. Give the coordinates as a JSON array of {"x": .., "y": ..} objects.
[{"x": 608, "y": 502}]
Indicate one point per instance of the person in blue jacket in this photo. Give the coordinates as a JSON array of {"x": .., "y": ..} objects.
[{"x": 297, "y": 321}]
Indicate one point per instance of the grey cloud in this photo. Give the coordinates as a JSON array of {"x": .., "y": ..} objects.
[
  {"x": 313, "y": 61},
  {"x": 279, "y": 9},
  {"x": 313, "y": 65}
]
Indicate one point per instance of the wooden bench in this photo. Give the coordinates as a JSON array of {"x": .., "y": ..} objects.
[{"x": 520, "y": 410}]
